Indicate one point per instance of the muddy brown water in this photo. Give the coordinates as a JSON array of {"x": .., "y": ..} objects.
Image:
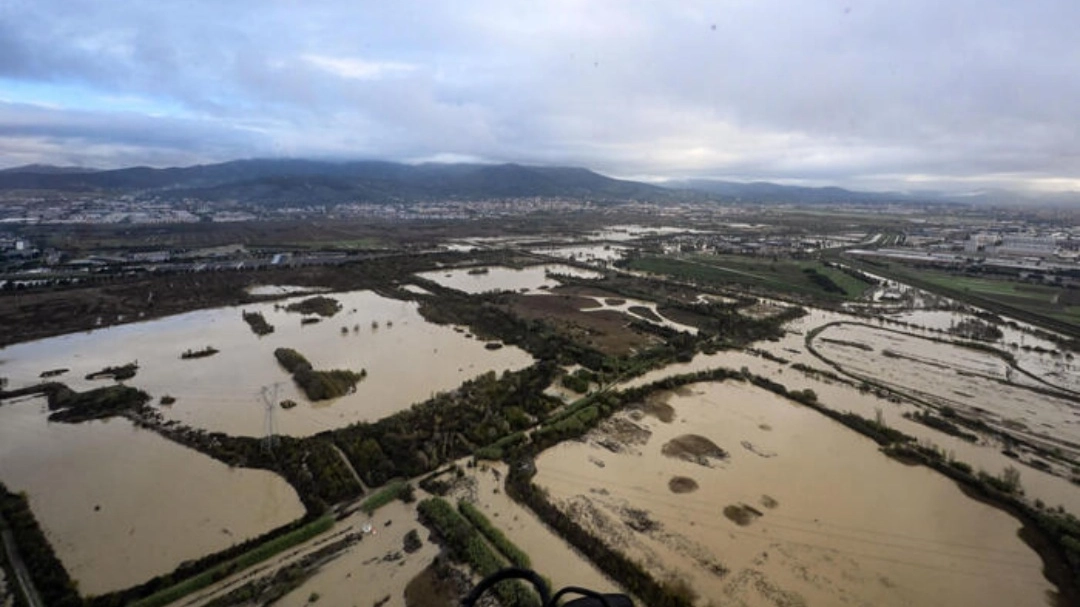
[
  {"x": 847, "y": 524},
  {"x": 500, "y": 278},
  {"x": 1053, "y": 490},
  {"x": 407, "y": 359},
  {"x": 120, "y": 505},
  {"x": 949, "y": 375}
]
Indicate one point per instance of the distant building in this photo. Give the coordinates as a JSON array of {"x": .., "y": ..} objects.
[{"x": 1027, "y": 246}]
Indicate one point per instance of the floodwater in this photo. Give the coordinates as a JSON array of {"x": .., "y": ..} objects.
[
  {"x": 1051, "y": 366},
  {"x": 830, "y": 519},
  {"x": 121, "y": 505},
  {"x": 593, "y": 254},
  {"x": 499, "y": 278},
  {"x": 407, "y": 359},
  {"x": 950, "y": 375},
  {"x": 552, "y": 557},
  {"x": 1053, "y": 490},
  {"x": 634, "y": 232},
  {"x": 281, "y": 290}
]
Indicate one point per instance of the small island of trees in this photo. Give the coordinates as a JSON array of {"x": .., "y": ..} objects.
[
  {"x": 207, "y": 351},
  {"x": 258, "y": 323},
  {"x": 118, "y": 373},
  {"x": 323, "y": 306},
  {"x": 317, "y": 385}
]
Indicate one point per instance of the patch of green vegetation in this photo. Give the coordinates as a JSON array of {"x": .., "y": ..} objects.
[
  {"x": 48, "y": 573},
  {"x": 253, "y": 556},
  {"x": 258, "y": 323},
  {"x": 1043, "y": 305},
  {"x": 395, "y": 490},
  {"x": 317, "y": 385},
  {"x": 321, "y": 305},
  {"x": 207, "y": 351},
  {"x": 579, "y": 380},
  {"x": 785, "y": 276},
  {"x": 466, "y": 545},
  {"x": 448, "y": 426},
  {"x": 119, "y": 372},
  {"x": 515, "y": 555},
  {"x": 73, "y": 407}
]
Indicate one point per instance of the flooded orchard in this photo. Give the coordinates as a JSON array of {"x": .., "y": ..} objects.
[
  {"x": 120, "y": 504},
  {"x": 407, "y": 359},
  {"x": 793, "y": 509}
]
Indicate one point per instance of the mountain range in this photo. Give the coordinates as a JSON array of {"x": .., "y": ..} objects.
[
  {"x": 302, "y": 182},
  {"x": 309, "y": 182}
]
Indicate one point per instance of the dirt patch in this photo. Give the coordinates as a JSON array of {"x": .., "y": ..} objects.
[
  {"x": 620, "y": 435},
  {"x": 694, "y": 448},
  {"x": 682, "y": 484},
  {"x": 606, "y": 330},
  {"x": 646, "y": 313},
  {"x": 438, "y": 584},
  {"x": 741, "y": 514},
  {"x": 639, "y": 520},
  {"x": 761, "y": 311},
  {"x": 656, "y": 406},
  {"x": 769, "y": 502}
]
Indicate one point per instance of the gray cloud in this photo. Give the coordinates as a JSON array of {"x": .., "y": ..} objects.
[{"x": 893, "y": 94}]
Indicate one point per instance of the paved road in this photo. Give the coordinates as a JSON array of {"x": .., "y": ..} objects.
[{"x": 21, "y": 574}]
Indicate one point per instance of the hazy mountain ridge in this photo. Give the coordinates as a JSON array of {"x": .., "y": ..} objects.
[
  {"x": 313, "y": 182},
  {"x": 310, "y": 182},
  {"x": 763, "y": 191}
]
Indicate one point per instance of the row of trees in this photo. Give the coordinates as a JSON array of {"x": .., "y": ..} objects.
[
  {"x": 466, "y": 545},
  {"x": 318, "y": 385},
  {"x": 46, "y": 570}
]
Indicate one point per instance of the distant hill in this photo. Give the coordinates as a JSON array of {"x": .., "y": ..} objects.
[
  {"x": 765, "y": 192},
  {"x": 47, "y": 169},
  {"x": 761, "y": 191},
  {"x": 306, "y": 182}
]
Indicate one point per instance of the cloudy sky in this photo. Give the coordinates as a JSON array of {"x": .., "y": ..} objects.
[{"x": 904, "y": 94}]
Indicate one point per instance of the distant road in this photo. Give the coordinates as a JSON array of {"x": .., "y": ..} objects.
[{"x": 21, "y": 574}]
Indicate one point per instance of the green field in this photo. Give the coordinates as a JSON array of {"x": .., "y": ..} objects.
[
  {"x": 783, "y": 276},
  {"x": 1050, "y": 307},
  {"x": 1039, "y": 299}
]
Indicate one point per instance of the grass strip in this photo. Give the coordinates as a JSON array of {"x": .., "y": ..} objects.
[
  {"x": 494, "y": 535},
  {"x": 255, "y": 555}
]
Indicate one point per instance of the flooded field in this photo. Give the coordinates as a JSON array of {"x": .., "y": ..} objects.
[
  {"x": 407, "y": 360},
  {"x": 594, "y": 254},
  {"x": 633, "y": 232},
  {"x": 948, "y": 375},
  {"x": 281, "y": 290},
  {"x": 1034, "y": 354},
  {"x": 121, "y": 505},
  {"x": 499, "y": 278},
  {"x": 797, "y": 510},
  {"x": 985, "y": 455}
]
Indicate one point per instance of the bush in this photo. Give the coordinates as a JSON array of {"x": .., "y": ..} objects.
[
  {"x": 467, "y": 545},
  {"x": 494, "y": 535}
]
